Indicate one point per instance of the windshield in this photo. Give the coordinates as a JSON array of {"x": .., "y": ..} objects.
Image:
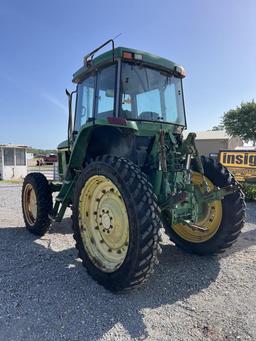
[{"x": 150, "y": 94}]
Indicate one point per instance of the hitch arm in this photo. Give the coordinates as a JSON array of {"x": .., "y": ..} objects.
[{"x": 219, "y": 193}]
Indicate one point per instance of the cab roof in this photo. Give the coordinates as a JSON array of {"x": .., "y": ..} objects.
[{"x": 147, "y": 58}]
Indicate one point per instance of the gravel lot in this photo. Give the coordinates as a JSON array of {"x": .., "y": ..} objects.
[{"x": 45, "y": 293}]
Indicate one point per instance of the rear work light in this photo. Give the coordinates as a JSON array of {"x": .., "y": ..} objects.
[{"x": 137, "y": 56}]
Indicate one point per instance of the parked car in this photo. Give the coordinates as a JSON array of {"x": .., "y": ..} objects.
[{"x": 50, "y": 159}]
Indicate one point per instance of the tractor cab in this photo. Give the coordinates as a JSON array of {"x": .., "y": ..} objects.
[{"x": 129, "y": 85}]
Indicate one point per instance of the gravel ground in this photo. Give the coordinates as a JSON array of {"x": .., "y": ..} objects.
[{"x": 45, "y": 293}]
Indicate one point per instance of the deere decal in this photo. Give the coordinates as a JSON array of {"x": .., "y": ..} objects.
[{"x": 242, "y": 163}]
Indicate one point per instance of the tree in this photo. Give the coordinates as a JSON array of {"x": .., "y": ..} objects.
[
  {"x": 242, "y": 121},
  {"x": 218, "y": 127}
]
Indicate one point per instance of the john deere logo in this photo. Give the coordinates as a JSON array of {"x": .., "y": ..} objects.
[{"x": 238, "y": 159}]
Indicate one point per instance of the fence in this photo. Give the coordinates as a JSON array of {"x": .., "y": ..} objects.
[{"x": 49, "y": 171}]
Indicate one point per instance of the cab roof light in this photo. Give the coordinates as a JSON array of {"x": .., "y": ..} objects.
[
  {"x": 127, "y": 55},
  {"x": 180, "y": 70},
  {"x": 138, "y": 56}
]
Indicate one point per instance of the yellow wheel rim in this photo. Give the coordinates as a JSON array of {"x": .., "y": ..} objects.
[
  {"x": 30, "y": 204},
  {"x": 103, "y": 223},
  {"x": 210, "y": 219}
]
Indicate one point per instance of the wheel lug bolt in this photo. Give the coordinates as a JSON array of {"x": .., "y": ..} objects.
[
  {"x": 95, "y": 213},
  {"x": 119, "y": 251},
  {"x": 96, "y": 227}
]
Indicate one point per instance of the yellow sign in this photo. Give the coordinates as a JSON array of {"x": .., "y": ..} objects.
[
  {"x": 243, "y": 159},
  {"x": 241, "y": 163}
]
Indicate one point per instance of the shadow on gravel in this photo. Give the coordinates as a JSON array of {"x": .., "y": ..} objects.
[
  {"x": 64, "y": 227},
  {"x": 48, "y": 295}
]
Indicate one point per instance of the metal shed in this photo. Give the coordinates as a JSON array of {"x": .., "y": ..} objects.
[{"x": 13, "y": 161}]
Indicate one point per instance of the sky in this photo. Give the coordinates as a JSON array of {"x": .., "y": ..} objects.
[{"x": 43, "y": 43}]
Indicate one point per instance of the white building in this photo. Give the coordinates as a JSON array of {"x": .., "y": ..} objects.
[
  {"x": 13, "y": 162},
  {"x": 212, "y": 141}
]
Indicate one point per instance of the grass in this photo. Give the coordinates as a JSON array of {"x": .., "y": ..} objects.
[
  {"x": 249, "y": 191},
  {"x": 11, "y": 181}
]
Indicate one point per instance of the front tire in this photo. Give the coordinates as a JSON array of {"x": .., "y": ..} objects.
[
  {"x": 225, "y": 224},
  {"x": 36, "y": 203},
  {"x": 116, "y": 223}
]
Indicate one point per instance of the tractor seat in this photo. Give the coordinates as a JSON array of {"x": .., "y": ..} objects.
[
  {"x": 104, "y": 114},
  {"x": 149, "y": 115}
]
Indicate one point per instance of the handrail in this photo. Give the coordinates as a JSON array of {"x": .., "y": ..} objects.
[{"x": 91, "y": 54}]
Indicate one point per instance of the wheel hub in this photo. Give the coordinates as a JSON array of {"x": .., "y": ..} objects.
[
  {"x": 106, "y": 221},
  {"x": 30, "y": 204},
  {"x": 104, "y": 224}
]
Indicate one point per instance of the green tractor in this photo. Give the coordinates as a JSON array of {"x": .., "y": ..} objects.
[{"x": 126, "y": 171}]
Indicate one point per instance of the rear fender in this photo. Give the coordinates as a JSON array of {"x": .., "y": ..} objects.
[
  {"x": 83, "y": 150},
  {"x": 100, "y": 138}
]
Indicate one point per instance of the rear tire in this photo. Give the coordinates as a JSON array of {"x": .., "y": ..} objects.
[
  {"x": 233, "y": 215},
  {"x": 121, "y": 177},
  {"x": 36, "y": 203}
]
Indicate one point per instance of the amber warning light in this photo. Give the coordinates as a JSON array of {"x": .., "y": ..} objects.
[{"x": 130, "y": 55}]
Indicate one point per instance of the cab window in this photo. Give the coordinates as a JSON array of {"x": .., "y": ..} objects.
[
  {"x": 105, "y": 93},
  {"x": 148, "y": 102},
  {"x": 151, "y": 94},
  {"x": 85, "y": 99}
]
